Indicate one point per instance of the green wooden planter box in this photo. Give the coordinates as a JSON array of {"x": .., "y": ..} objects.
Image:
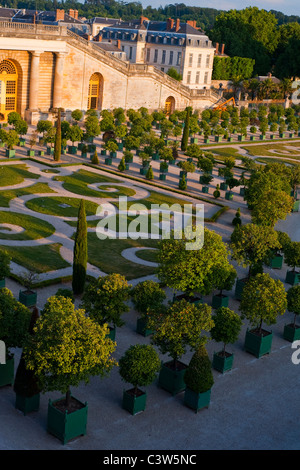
[
  {"x": 91, "y": 148},
  {"x": 30, "y": 153},
  {"x": 272, "y": 137},
  {"x": 294, "y": 194},
  {"x": 262, "y": 137},
  {"x": 27, "y": 404},
  {"x": 223, "y": 186},
  {"x": 143, "y": 171},
  {"x": 2, "y": 283},
  {"x": 222, "y": 363},
  {"x": 66, "y": 426},
  {"x": 163, "y": 170},
  {"x": 22, "y": 142},
  {"x": 27, "y": 298},
  {"x": 7, "y": 372},
  {"x": 241, "y": 138},
  {"x": 205, "y": 189},
  {"x": 206, "y": 141},
  {"x": 2, "y": 144},
  {"x": 230, "y": 139},
  {"x": 120, "y": 146},
  {"x": 155, "y": 156},
  {"x": 291, "y": 135},
  {"x": 296, "y": 206},
  {"x": 163, "y": 176},
  {"x": 103, "y": 152},
  {"x": 90, "y": 140},
  {"x": 276, "y": 261},
  {"x": 194, "y": 140},
  {"x": 291, "y": 333},
  {"x": 84, "y": 155},
  {"x": 196, "y": 401},
  {"x": 41, "y": 153},
  {"x": 50, "y": 151},
  {"x": 10, "y": 153},
  {"x": 129, "y": 160},
  {"x": 258, "y": 345},
  {"x": 183, "y": 173},
  {"x": 112, "y": 333},
  {"x": 72, "y": 149},
  {"x": 239, "y": 286},
  {"x": 113, "y": 154},
  {"x": 134, "y": 403},
  {"x": 220, "y": 301},
  {"x": 127, "y": 166},
  {"x": 252, "y": 137},
  {"x": 229, "y": 196},
  {"x": 172, "y": 380},
  {"x": 141, "y": 327},
  {"x": 292, "y": 277},
  {"x": 282, "y": 135},
  {"x": 108, "y": 161},
  {"x": 242, "y": 191},
  {"x": 63, "y": 151},
  {"x": 218, "y": 138}
]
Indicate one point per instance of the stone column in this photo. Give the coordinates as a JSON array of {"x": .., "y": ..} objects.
[
  {"x": 34, "y": 80},
  {"x": 58, "y": 80}
]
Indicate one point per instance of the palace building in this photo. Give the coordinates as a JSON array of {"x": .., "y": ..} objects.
[{"x": 45, "y": 65}]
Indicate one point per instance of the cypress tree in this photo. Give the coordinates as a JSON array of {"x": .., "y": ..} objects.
[
  {"x": 149, "y": 174},
  {"x": 95, "y": 159},
  {"x": 57, "y": 143},
  {"x": 80, "y": 252},
  {"x": 183, "y": 183},
  {"x": 186, "y": 131}
]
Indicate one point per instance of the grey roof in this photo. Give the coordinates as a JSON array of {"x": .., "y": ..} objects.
[
  {"x": 102, "y": 20},
  {"x": 107, "y": 46},
  {"x": 7, "y": 12}
]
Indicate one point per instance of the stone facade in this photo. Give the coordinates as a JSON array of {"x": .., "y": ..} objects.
[{"x": 54, "y": 67}]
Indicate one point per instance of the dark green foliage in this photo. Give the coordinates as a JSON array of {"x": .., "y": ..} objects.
[
  {"x": 186, "y": 131},
  {"x": 65, "y": 293},
  {"x": 172, "y": 72},
  {"x": 237, "y": 219},
  {"x": 149, "y": 174},
  {"x": 122, "y": 165},
  {"x": 139, "y": 365},
  {"x": 95, "y": 159},
  {"x": 25, "y": 383},
  {"x": 227, "y": 326},
  {"x": 226, "y": 68},
  {"x": 147, "y": 295},
  {"x": 4, "y": 264},
  {"x": 217, "y": 192},
  {"x": 80, "y": 252},
  {"x": 183, "y": 183},
  {"x": 198, "y": 376},
  {"x": 57, "y": 142}
]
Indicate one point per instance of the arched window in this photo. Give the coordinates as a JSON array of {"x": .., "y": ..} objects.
[
  {"x": 8, "y": 88},
  {"x": 95, "y": 91},
  {"x": 170, "y": 105}
]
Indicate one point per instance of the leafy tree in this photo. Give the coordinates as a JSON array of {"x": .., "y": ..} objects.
[
  {"x": 263, "y": 299},
  {"x": 139, "y": 365},
  {"x": 251, "y": 244},
  {"x": 292, "y": 254},
  {"x": 227, "y": 327},
  {"x": 147, "y": 296},
  {"x": 21, "y": 127},
  {"x": 4, "y": 264},
  {"x": 272, "y": 206},
  {"x": 57, "y": 143},
  {"x": 75, "y": 134},
  {"x": 217, "y": 192},
  {"x": 172, "y": 72},
  {"x": 43, "y": 126},
  {"x": 180, "y": 327},
  {"x": 80, "y": 252},
  {"x": 80, "y": 348},
  {"x": 223, "y": 278},
  {"x": 293, "y": 301},
  {"x": 192, "y": 270},
  {"x": 92, "y": 127},
  {"x": 198, "y": 376},
  {"x": 13, "y": 118},
  {"x": 104, "y": 299},
  {"x": 14, "y": 321},
  {"x": 77, "y": 115}
]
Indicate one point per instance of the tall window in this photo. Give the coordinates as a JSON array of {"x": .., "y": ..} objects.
[
  {"x": 130, "y": 52},
  {"x": 155, "y": 55},
  {"x": 163, "y": 57},
  {"x": 8, "y": 89},
  {"x": 199, "y": 60},
  {"x": 197, "y": 77},
  {"x": 190, "y": 60},
  {"x": 206, "y": 77},
  {"x": 189, "y": 77},
  {"x": 207, "y": 60},
  {"x": 148, "y": 55},
  {"x": 94, "y": 91},
  {"x": 171, "y": 58},
  {"x": 178, "y": 58}
]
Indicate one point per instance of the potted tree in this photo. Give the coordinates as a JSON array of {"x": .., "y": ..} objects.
[
  {"x": 32, "y": 143},
  {"x": 80, "y": 349},
  {"x": 146, "y": 295},
  {"x": 224, "y": 279},
  {"x": 263, "y": 299},
  {"x": 14, "y": 325},
  {"x": 28, "y": 296},
  {"x": 104, "y": 300},
  {"x": 199, "y": 380},
  {"x": 226, "y": 329},
  {"x": 291, "y": 331},
  {"x": 12, "y": 139},
  {"x": 4, "y": 267},
  {"x": 138, "y": 366},
  {"x": 75, "y": 134},
  {"x": 292, "y": 259},
  {"x": 178, "y": 328},
  {"x": 25, "y": 385}
]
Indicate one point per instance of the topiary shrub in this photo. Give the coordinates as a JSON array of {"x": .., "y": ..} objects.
[
  {"x": 198, "y": 376},
  {"x": 216, "y": 192},
  {"x": 95, "y": 159},
  {"x": 68, "y": 293}
]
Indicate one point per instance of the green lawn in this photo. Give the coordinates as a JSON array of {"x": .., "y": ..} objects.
[
  {"x": 60, "y": 206},
  {"x": 78, "y": 183},
  {"x": 14, "y": 174},
  {"x": 147, "y": 255},
  {"x": 38, "y": 188},
  {"x": 40, "y": 259},
  {"x": 281, "y": 150},
  {"x": 34, "y": 227},
  {"x": 106, "y": 255}
]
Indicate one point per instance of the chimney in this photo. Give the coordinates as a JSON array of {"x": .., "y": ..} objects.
[
  {"x": 71, "y": 13},
  {"x": 177, "y": 26},
  {"x": 59, "y": 15},
  {"x": 119, "y": 44},
  {"x": 76, "y": 14},
  {"x": 142, "y": 19},
  {"x": 269, "y": 75},
  {"x": 222, "y": 50},
  {"x": 217, "y": 48},
  {"x": 99, "y": 37},
  {"x": 192, "y": 23},
  {"x": 170, "y": 24}
]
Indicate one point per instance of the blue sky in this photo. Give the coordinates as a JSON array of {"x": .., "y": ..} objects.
[{"x": 288, "y": 7}]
